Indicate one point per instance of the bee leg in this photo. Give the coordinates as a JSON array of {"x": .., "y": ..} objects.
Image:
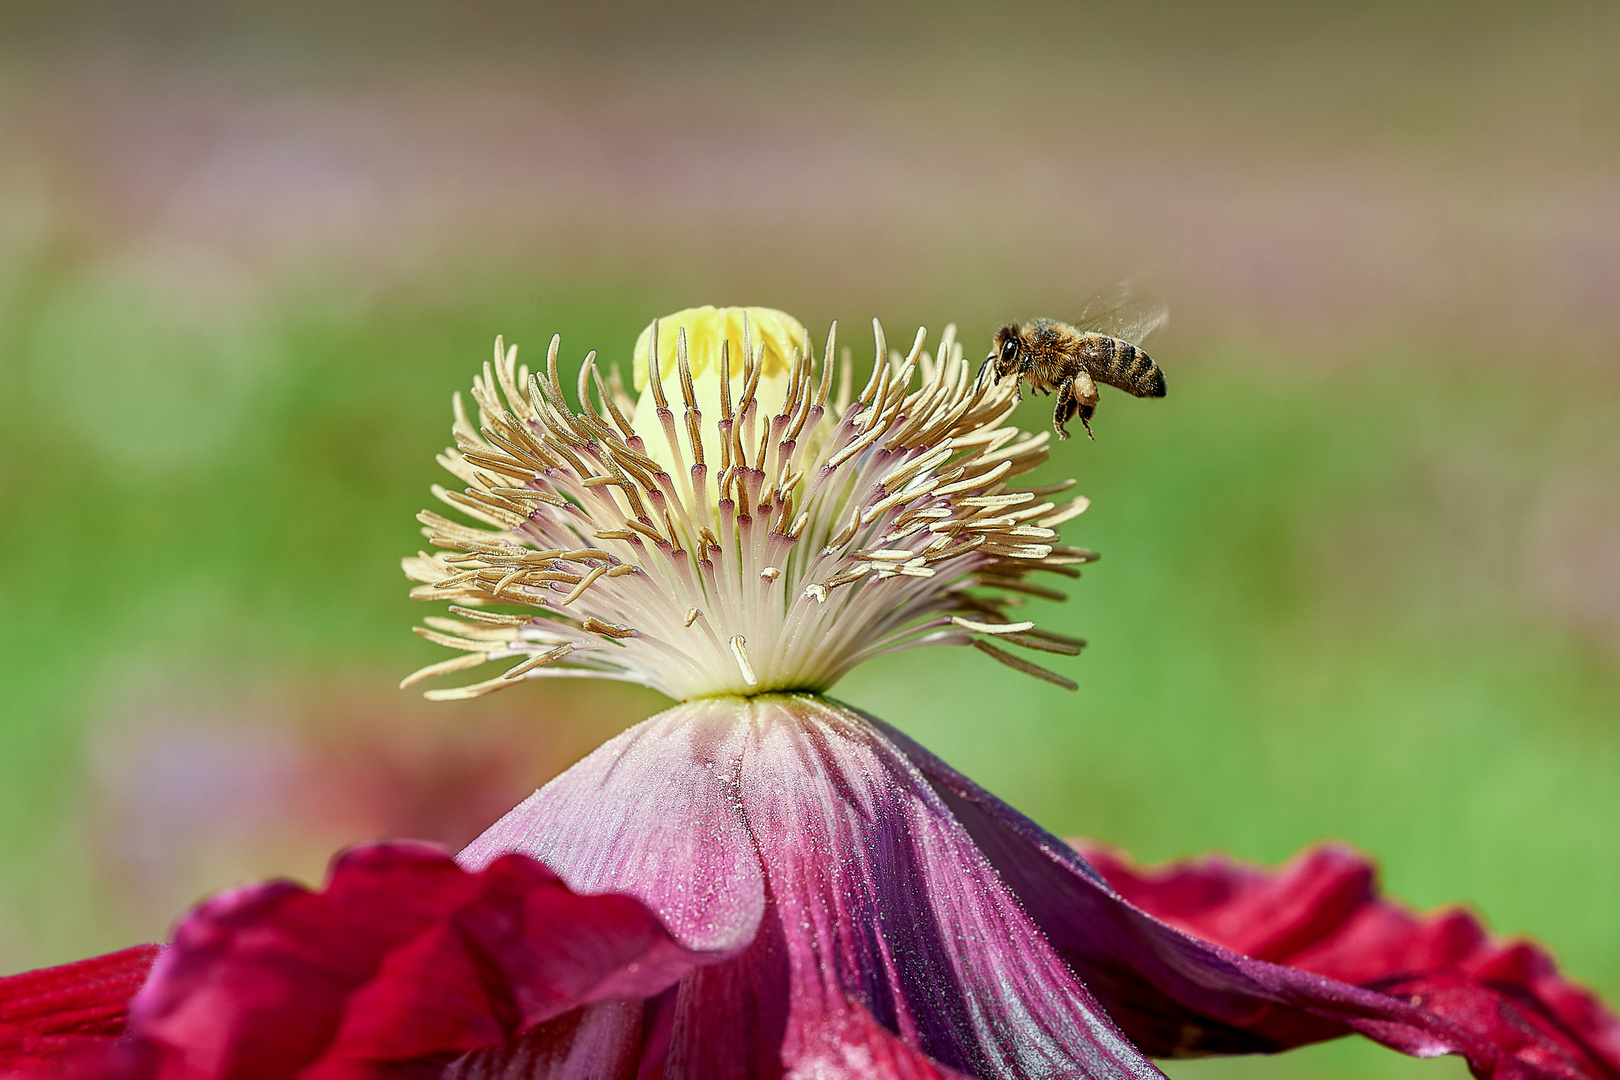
[
  {"x": 1067, "y": 404},
  {"x": 1085, "y": 400},
  {"x": 984, "y": 367}
]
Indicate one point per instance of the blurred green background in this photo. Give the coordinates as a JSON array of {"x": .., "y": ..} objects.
[{"x": 1361, "y": 573}]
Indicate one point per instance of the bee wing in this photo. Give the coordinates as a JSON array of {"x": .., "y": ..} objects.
[{"x": 1123, "y": 311}]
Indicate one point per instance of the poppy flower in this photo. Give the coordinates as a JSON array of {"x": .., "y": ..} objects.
[{"x": 762, "y": 881}]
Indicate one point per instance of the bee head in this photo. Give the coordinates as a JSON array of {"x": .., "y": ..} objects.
[{"x": 1004, "y": 352}]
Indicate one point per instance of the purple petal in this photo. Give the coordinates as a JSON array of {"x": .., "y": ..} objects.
[
  {"x": 653, "y": 813},
  {"x": 851, "y": 1045},
  {"x": 888, "y": 908},
  {"x": 887, "y": 945},
  {"x": 1177, "y": 995}
]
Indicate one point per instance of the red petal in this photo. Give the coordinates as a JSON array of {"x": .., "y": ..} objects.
[
  {"x": 404, "y": 956},
  {"x": 1321, "y": 913},
  {"x": 49, "y": 1015}
]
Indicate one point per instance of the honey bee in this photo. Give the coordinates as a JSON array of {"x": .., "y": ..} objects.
[{"x": 1100, "y": 347}]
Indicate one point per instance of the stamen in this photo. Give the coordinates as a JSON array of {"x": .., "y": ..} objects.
[
  {"x": 443, "y": 667},
  {"x": 725, "y": 380},
  {"x": 646, "y": 530},
  {"x": 1046, "y": 641},
  {"x": 450, "y": 642},
  {"x": 612, "y": 407},
  {"x": 519, "y": 670},
  {"x": 1018, "y": 663},
  {"x": 493, "y": 617},
  {"x": 476, "y": 690},
  {"x": 880, "y": 366},
  {"x": 655, "y": 373},
  {"x": 899, "y": 500},
  {"x": 739, "y": 649},
  {"x": 992, "y": 628},
  {"x": 612, "y": 630}
]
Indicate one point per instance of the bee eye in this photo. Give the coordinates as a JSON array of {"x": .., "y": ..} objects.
[{"x": 1009, "y": 349}]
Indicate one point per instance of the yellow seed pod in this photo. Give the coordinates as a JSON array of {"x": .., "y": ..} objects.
[
  {"x": 773, "y": 335},
  {"x": 777, "y": 333}
]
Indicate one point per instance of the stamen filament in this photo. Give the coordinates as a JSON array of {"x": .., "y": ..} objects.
[{"x": 833, "y": 530}]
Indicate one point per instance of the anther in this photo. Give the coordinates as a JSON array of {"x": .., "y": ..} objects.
[{"x": 739, "y": 649}]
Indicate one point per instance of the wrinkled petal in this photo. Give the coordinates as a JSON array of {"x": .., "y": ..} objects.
[
  {"x": 838, "y": 904},
  {"x": 851, "y": 1045},
  {"x": 653, "y": 813},
  {"x": 601, "y": 1042},
  {"x": 404, "y": 955},
  {"x": 888, "y": 946},
  {"x": 1322, "y": 913},
  {"x": 621, "y": 1041},
  {"x": 886, "y": 904},
  {"x": 1176, "y": 995},
  {"x": 52, "y": 1016}
]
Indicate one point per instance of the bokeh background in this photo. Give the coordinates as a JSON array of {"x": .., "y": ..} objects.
[{"x": 1361, "y": 573}]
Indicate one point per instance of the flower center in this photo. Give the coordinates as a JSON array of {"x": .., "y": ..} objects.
[
  {"x": 707, "y": 356},
  {"x": 748, "y": 533}
]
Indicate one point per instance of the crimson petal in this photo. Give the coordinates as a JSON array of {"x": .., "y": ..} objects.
[
  {"x": 1321, "y": 912},
  {"x": 1179, "y": 995},
  {"x": 403, "y": 956},
  {"x": 51, "y": 1016}
]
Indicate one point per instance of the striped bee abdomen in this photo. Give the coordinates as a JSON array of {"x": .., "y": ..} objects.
[{"x": 1121, "y": 364}]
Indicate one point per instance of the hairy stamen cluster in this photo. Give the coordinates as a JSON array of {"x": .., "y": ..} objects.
[{"x": 827, "y": 536}]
